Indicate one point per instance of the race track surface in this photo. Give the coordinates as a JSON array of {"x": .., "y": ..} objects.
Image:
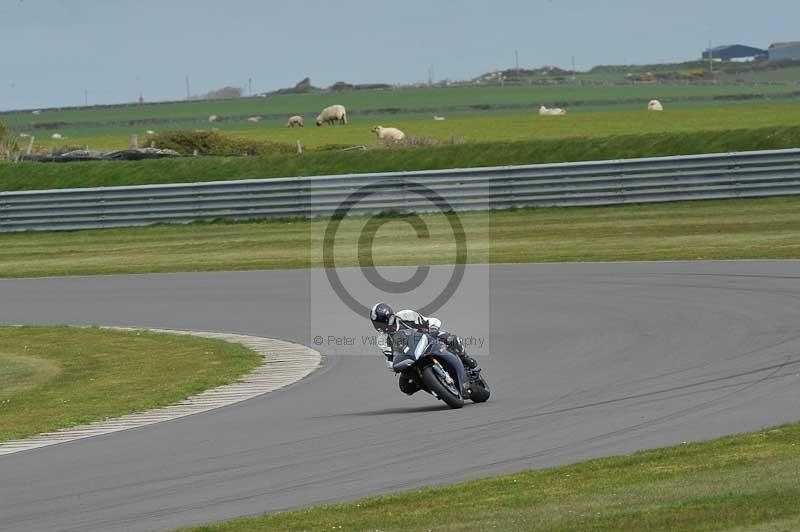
[{"x": 587, "y": 360}]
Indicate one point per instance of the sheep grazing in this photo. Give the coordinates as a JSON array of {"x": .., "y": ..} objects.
[
  {"x": 213, "y": 118},
  {"x": 23, "y": 135},
  {"x": 388, "y": 133},
  {"x": 654, "y": 105},
  {"x": 254, "y": 119},
  {"x": 438, "y": 118},
  {"x": 150, "y": 132},
  {"x": 335, "y": 114},
  {"x": 296, "y": 120},
  {"x": 56, "y": 136},
  {"x": 37, "y": 112},
  {"x": 555, "y": 111}
]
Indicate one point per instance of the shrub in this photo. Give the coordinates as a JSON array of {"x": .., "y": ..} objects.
[
  {"x": 48, "y": 125},
  {"x": 225, "y": 93},
  {"x": 214, "y": 143},
  {"x": 342, "y": 86},
  {"x": 9, "y": 149}
]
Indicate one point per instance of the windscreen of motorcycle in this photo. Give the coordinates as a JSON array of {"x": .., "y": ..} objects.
[{"x": 410, "y": 342}]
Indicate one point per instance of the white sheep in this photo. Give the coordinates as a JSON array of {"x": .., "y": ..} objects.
[
  {"x": 555, "y": 111},
  {"x": 254, "y": 119},
  {"x": 438, "y": 118},
  {"x": 212, "y": 118},
  {"x": 37, "y": 112},
  {"x": 56, "y": 136},
  {"x": 332, "y": 115},
  {"x": 654, "y": 105},
  {"x": 296, "y": 120},
  {"x": 388, "y": 133},
  {"x": 150, "y": 132}
]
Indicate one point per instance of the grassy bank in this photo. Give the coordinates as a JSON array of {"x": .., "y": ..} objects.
[
  {"x": 30, "y": 176},
  {"x": 56, "y": 377},
  {"x": 737, "y": 483},
  {"x": 731, "y": 229}
]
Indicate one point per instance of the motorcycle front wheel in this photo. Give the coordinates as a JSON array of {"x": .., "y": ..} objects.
[
  {"x": 480, "y": 391},
  {"x": 441, "y": 388}
]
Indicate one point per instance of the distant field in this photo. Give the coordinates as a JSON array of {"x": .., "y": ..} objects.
[
  {"x": 406, "y": 99},
  {"x": 484, "y": 127},
  {"x": 527, "y": 127},
  {"x": 780, "y": 75}
]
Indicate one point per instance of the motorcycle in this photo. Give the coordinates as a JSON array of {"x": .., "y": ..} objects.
[{"x": 436, "y": 370}]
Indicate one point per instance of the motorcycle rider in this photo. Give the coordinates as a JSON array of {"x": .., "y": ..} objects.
[{"x": 386, "y": 321}]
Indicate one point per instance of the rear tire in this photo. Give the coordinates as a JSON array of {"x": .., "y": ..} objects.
[{"x": 431, "y": 380}]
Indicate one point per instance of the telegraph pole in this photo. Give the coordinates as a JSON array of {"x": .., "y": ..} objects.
[
  {"x": 573, "y": 68},
  {"x": 249, "y": 86},
  {"x": 516, "y": 60},
  {"x": 710, "y": 59},
  {"x": 188, "y": 92},
  {"x": 86, "y": 97}
]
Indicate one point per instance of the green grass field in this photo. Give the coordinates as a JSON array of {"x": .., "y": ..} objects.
[
  {"x": 56, "y": 377},
  {"x": 405, "y": 99},
  {"x": 488, "y": 125},
  {"x": 740, "y": 483},
  {"x": 731, "y": 229}
]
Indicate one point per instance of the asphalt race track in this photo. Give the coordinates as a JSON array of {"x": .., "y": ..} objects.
[{"x": 586, "y": 360}]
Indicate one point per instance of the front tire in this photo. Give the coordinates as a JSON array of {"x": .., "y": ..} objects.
[
  {"x": 443, "y": 392},
  {"x": 480, "y": 391}
]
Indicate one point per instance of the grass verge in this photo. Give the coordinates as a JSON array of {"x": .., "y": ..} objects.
[
  {"x": 56, "y": 377},
  {"x": 747, "y": 482},
  {"x": 729, "y": 229},
  {"x": 562, "y": 141}
]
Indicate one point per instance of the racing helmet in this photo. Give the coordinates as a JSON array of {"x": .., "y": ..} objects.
[{"x": 382, "y": 317}]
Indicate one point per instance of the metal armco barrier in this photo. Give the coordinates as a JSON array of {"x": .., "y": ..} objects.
[{"x": 694, "y": 177}]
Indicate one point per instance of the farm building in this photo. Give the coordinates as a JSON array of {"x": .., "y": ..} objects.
[
  {"x": 784, "y": 50},
  {"x": 730, "y": 52}
]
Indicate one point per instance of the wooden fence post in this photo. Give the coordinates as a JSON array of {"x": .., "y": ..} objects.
[{"x": 134, "y": 142}]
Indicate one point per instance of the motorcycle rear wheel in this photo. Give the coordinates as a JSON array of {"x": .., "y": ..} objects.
[{"x": 440, "y": 389}]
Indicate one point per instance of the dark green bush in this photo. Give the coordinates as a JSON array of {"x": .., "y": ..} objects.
[{"x": 215, "y": 143}]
